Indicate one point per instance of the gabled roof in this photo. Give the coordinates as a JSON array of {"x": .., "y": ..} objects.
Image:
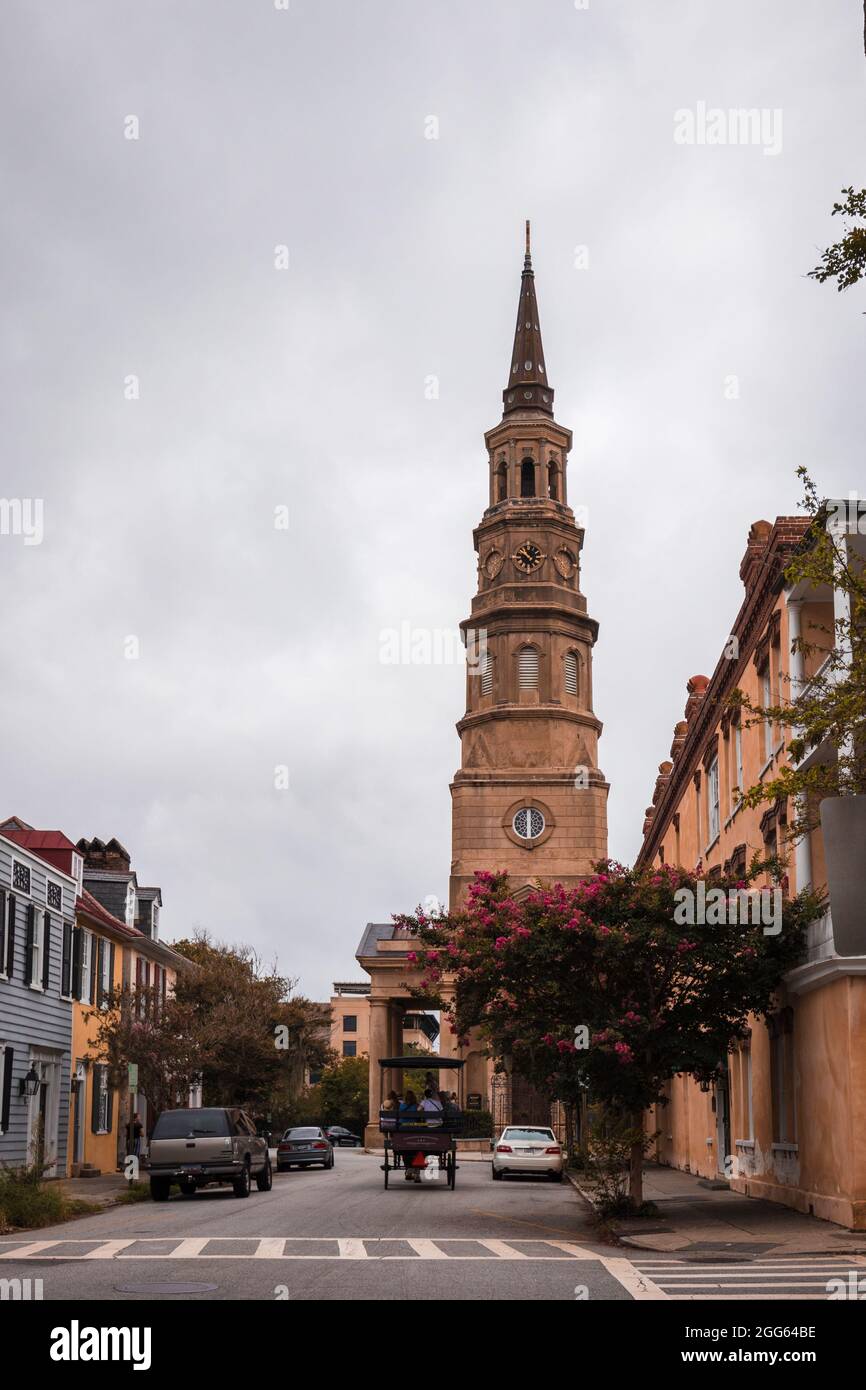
[
  {"x": 36, "y": 840},
  {"x": 92, "y": 908}
]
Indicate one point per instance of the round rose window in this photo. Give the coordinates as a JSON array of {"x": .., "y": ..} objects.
[{"x": 528, "y": 823}]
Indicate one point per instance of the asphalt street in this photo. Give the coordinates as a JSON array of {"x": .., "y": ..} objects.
[{"x": 338, "y": 1235}]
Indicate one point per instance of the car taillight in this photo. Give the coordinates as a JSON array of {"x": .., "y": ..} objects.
[
  {"x": 554, "y": 1149},
  {"x": 504, "y": 1149},
  {"x": 320, "y": 1146},
  {"x": 283, "y": 1147}
]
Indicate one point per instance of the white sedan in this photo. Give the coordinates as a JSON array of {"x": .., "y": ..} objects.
[{"x": 528, "y": 1149}]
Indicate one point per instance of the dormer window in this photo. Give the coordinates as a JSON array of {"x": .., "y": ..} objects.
[
  {"x": 129, "y": 915},
  {"x": 154, "y": 921}
]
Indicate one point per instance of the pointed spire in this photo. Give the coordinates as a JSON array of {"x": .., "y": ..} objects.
[{"x": 527, "y": 387}]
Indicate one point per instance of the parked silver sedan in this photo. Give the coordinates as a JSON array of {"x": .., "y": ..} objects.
[
  {"x": 528, "y": 1149},
  {"x": 303, "y": 1146}
]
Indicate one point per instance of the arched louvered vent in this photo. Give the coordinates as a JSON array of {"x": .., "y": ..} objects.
[
  {"x": 486, "y": 673},
  {"x": 527, "y": 668},
  {"x": 570, "y": 661}
]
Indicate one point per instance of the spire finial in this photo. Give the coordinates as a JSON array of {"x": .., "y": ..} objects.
[{"x": 527, "y": 387}]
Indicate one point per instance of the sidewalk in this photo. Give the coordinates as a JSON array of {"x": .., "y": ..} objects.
[
  {"x": 707, "y": 1221},
  {"x": 106, "y": 1188}
]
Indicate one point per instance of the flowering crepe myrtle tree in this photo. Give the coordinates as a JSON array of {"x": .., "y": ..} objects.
[{"x": 611, "y": 987}]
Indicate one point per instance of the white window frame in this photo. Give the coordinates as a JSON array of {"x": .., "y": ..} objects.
[
  {"x": 37, "y": 951},
  {"x": 129, "y": 910},
  {"x": 738, "y": 762},
  {"x": 100, "y": 1075},
  {"x": 713, "y": 806},
  {"x": 3, "y": 1046},
  {"x": 154, "y": 910},
  {"x": 4, "y": 934},
  {"x": 86, "y": 966},
  {"x": 106, "y": 982}
]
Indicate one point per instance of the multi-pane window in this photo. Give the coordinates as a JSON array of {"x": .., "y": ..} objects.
[
  {"x": 105, "y": 980},
  {"x": 350, "y": 1049},
  {"x": 528, "y": 823},
  {"x": 101, "y": 1112},
  {"x": 738, "y": 763},
  {"x": 350, "y": 1023},
  {"x": 527, "y": 668},
  {"x": 570, "y": 664},
  {"x": 20, "y": 877},
  {"x": 35, "y": 939},
  {"x": 86, "y": 966},
  {"x": 713, "y": 801}
]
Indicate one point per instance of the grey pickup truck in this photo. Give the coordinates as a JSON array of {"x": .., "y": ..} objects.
[{"x": 197, "y": 1147}]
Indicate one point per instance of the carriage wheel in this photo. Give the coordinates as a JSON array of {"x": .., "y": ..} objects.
[
  {"x": 452, "y": 1171},
  {"x": 386, "y": 1170}
]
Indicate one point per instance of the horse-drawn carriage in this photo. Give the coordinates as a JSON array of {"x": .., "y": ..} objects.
[{"x": 423, "y": 1141}]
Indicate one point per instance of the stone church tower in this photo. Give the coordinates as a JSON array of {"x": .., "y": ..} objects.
[{"x": 528, "y": 797}]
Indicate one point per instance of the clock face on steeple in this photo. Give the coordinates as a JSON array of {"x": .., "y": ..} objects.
[{"x": 528, "y": 557}]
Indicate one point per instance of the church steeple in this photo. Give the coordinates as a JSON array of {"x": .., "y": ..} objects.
[{"x": 527, "y": 387}]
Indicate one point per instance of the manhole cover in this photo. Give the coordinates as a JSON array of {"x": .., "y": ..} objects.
[{"x": 165, "y": 1286}]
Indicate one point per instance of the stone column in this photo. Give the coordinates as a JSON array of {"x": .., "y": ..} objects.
[
  {"x": 395, "y": 1044},
  {"x": 379, "y": 1047}
]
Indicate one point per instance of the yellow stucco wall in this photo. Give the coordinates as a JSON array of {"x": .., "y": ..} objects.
[{"x": 100, "y": 1150}]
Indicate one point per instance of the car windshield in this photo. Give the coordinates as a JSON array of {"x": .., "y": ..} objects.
[
  {"x": 303, "y": 1134},
  {"x": 192, "y": 1124},
  {"x": 529, "y": 1134}
]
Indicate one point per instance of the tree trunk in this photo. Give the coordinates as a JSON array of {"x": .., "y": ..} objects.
[{"x": 636, "y": 1166}]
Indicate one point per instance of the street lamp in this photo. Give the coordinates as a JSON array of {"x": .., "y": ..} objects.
[{"x": 29, "y": 1084}]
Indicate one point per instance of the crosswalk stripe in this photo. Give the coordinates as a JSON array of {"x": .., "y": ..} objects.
[
  {"x": 503, "y": 1250},
  {"x": 107, "y": 1250},
  {"x": 188, "y": 1249},
  {"x": 640, "y": 1286},
  {"x": 352, "y": 1250},
  {"x": 427, "y": 1249},
  {"x": 25, "y": 1251},
  {"x": 270, "y": 1248}
]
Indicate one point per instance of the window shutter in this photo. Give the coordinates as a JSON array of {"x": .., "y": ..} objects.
[
  {"x": 2, "y": 931},
  {"x": 31, "y": 937},
  {"x": 66, "y": 960},
  {"x": 570, "y": 673},
  {"x": 527, "y": 668},
  {"x": 111, "y": 972},
  {"x": 100, "y": 965},
  {"x": 164, "y": 984},
  {"x": 77, "y": 961},
  {"x": 96, "y": 1073},
  {"x": 109, "y": 1109},
  {"x": 8, "y": 1055},
  {"x": 46, "y": 949},
  {"x": 10, "y": 937}
]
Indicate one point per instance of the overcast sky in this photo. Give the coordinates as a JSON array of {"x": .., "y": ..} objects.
[{"x": 258, "y": 388}]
